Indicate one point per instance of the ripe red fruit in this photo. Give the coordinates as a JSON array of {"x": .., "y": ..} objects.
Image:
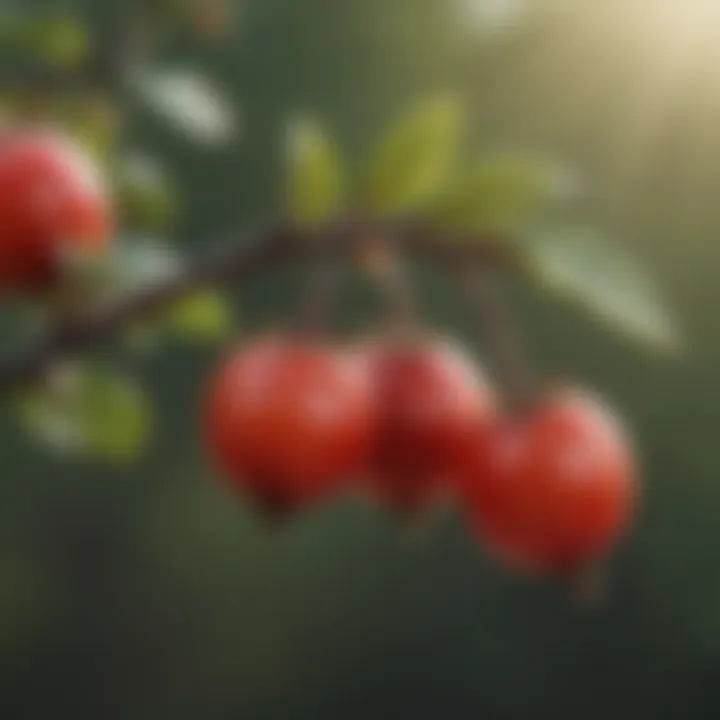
[
  {"x": 51, "y": 198},
  {"x": 431, "y": 401},
  {"x": 287, "y": 421},
  {"x": 552, "y": 491}
]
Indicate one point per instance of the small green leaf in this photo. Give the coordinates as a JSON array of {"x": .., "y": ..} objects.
[
  {"x": 315, "y": 175},
  {"x": 416, "y": 158},
  {"x": 190, "y": 103},
  {"x": 118, "y": 418},
  {"x": 578, "y": 264},
  {"x": 203, "y": 316},
  {"x": 85, "y": 411},
  {"x": 502, "y": 194},
  {"x": 57, "y": 39},
  {"x": 144, "y": 194}
]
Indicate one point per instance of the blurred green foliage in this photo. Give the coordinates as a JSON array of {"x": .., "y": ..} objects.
[
  {"x": 153, "y": 593},
  {"x": 85, "y": 410},
  {"x": 315, "y": 174}
]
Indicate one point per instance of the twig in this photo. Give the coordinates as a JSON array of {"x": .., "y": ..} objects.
[
  {"x": 244, "y": 257},
  {"x": 381, "y": 261},
  {"x": 324, "y": 284},
  {"x": 82, "y": 332},
  {"x": 483, "y": 288}
]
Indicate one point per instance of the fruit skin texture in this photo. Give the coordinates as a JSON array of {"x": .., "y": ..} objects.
[
  {"x": 52, "y": 199},
  {"x": 431, "y": 401},
  {"x": 288, "y": 421},
  {"x": 552, "y": 491}
]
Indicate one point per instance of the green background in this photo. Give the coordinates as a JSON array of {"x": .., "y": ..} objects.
[{"x": 152, "y": 593}]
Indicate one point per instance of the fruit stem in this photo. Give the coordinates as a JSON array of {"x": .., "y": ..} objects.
[
  {"x": 317, "y": 312},
  {"x": 385, "y": 265},
  {"x": 244, "y": 256},
  {"x": 483, "y": 289}
]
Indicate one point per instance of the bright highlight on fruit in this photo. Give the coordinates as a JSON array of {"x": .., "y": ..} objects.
[
  {"x": 431, "y": 401},
  {"x": 292, "y": 422},
  {"x": 288, "y": 421},
  {"x": 552, "y": 491}
]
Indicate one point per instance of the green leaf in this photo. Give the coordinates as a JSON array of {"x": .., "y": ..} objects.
[
  {"x": 315, "y": 174},
  {"x": 144, "y": 194},
  {"x": 416, "y": 158},
  {"x": 502, "y": 194},
  {"x": 85, "y": 411},
  {"x": 203, "y": 316},
  {"x": 56, "y": 39},
  {"x": 579, "y": 265},
  {"x": 190, "y": 103}
]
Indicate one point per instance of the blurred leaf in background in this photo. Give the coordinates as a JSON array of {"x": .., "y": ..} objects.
[
  {"x": 579, "y": 264},
  {"x": 49, "y": 36},
  {"x": 189, "y": 102},
  {"x": 503, "y": 193},
  {"x": 315, "y": 176},
  {"x": 84, "y": 410},
  {"x": 203, "y": 316}
]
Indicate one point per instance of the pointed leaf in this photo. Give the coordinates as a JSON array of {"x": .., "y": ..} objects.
[
  {"x": 502, "y": 194},
  {"x": 604, "y": 277},
  {"x": 315, "y": 175},
  {"x": 190, "y": 102},
  {"x": 415, "y": 159}
]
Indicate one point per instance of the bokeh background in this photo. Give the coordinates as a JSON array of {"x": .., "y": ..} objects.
[{"x": 151, "y": 593}]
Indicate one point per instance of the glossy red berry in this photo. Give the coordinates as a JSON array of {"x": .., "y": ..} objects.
[
  {"x": 52, "y": 198},
  {"x": 430, "y": 400},
  {"x": 552, "y": 491},
  {"x": 288, "y": 422}
]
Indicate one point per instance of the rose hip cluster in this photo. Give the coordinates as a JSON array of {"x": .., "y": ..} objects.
[{"x": 292, "y": 422}]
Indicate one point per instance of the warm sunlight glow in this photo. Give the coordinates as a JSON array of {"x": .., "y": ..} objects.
[
  {"x": 688, "y": 28},
  {"x": 641, "y": 70},
  {"x": 666, "y": 54},
  {"x": 495, "y": 14}
]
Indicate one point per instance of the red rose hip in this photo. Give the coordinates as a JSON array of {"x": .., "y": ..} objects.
[
  {"x": 430, "y": 401},
  {"x": 552, "y": 491},
  {"x": 288, "y": 421},
  {"x": 52, "y": 198}
]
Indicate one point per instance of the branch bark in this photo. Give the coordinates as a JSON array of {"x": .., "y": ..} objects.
[{"x": 243, "y": 257}]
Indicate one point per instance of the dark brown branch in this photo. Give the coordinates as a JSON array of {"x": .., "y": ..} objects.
[
  {"x": 82, "y": 332},
  {"x": 244, "y": 257}
]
